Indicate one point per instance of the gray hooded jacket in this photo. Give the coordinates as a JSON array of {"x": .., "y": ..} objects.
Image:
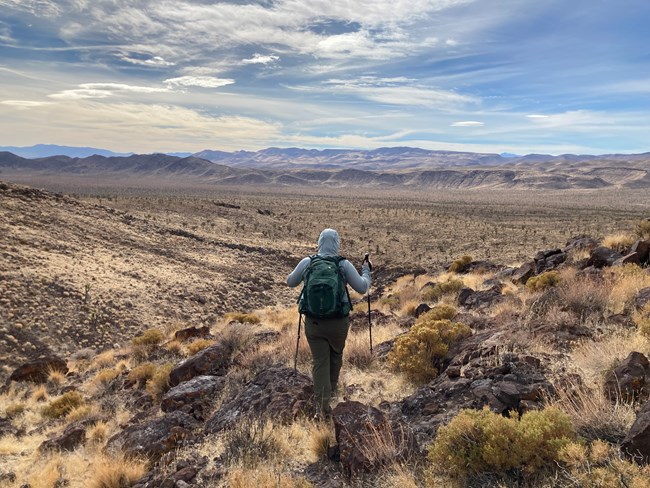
[{"x": 328, "y": 245}]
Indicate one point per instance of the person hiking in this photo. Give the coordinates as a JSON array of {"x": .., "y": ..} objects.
[{"x": 326, "y": 320}]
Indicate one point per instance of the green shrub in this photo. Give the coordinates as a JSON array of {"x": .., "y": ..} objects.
[
  {"x": 14, "y": 410},
  {"x": 480, "y": 441},
  {"x": 433, "y": 293},
  {"x": 63, "y": 405},
  {"x": 543, "y": 281},
  {"x": 441, "y": 312},
  {"x": 418, "y": 353},
  {"x": 392, "y": 302},
  {"x": 151, "y": 337},
  {"x": 459, "y": 264},
  {"x": 244, "y": 318}
]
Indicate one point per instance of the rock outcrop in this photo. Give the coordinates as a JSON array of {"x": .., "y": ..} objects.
[
  {"x": 37, "y": 370},
  {"x": 194, "y": 397},
  {"x": 630, "y": 380},
  {"x": 636, "y": 444},
  {"x": 213, "y": 360}
]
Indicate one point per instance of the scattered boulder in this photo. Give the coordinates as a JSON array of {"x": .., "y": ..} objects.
[
  {"x": 481, "y": 299},
  {"x": 72, "y": 436},
  {"x": 642, "y": 298},
  {"x": 464, "y": 294},
  {"x": 38, "y": 370},
  {"x": 630, "y": 380},
  {"x": 631, "y": 258},
  {"x": 603, "y": 256},
  {"x": 523, "y": 273},
  {"x": 636, "y": 444},
  {"x": 155, "y": 438},
  {"x": 359, "y": 318},
  {"x": 192, "y": 333},
  {"x": 421, "y": 309},
  {"x": 360, "y": 429},
  {"x": 193, "y": 397},
  {"x": 213, "y": 360},
  {"x": 277, "y": 392},
  {"x": 548, "y": 260},
  {"x": 642, "y": 248},
  {"x": 580, "y": 242}
]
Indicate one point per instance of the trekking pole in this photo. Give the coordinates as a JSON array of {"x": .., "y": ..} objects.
[
  {"x": 367, "y": 259},
  {"x": 295, "y": 358}
]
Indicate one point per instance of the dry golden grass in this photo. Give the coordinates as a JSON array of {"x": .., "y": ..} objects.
[
  {"x": 55, "y": 378},
  {"x": 401, "y": 476},
  {"x": 594, "y": 358},
  {"x": 103, "y": 360},
  {"x": 375, "y": 385},
  {"x": 63, "y": 405},
  {"x": 102, "y": 379},
  {"x": 242, "y": 317},
  {"x": 198, "y": 345},
  {"x": 116, "y": 473},
  {"x": 593, "y": 415},
  {"x": 142, "y": 372},
  {"x": 264, "y": 477},
  {"x": 81, "y": 412},
  {"x": 158, "y": 384},
  {"x": 357, "y": 350},
  {"x": 279, "y": 318},
  {"x": 627, "y": 281},
  {"x": 48, "y": 476},
  {"x": 619, "y": 241},
  {"x": 98, "y": 433},
  {"x": 10, "y": 445},
  {"x": 320, "y": 441},
  {"x": 175, "y": 347}
]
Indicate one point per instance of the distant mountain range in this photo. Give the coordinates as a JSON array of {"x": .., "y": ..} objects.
[
  {"x": 47, "y": 150},
  {"x": 399, "y": 167}
]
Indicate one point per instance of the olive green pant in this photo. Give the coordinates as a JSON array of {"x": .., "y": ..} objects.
[{"x": 326, "y": 338}]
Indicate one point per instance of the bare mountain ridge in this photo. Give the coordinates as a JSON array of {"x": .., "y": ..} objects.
[{"x": 402, "y": 168}]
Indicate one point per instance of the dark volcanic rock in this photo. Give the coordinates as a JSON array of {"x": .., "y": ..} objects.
[
  {"x": 194, "y": 396},
  {"x": 630, "y": 380},
  {"x": 155, "y": 438},
  {"x": 603, "y": 256},
  {"x": 642, "y": 248},
  {"x": 191, "y": 333},
  {"x": 482, "y": 299},
  {"x": 642, "y": 298},
  {"x": 358, "y": 428},
  {"x": 213, "y": 360},
  {"x": 637, "y": 442},
  {"x": 72, "y": 436},
  {"x": 421, "y": 309},
  {"x": 37, "y": 370},
  {"x": 548, "y": 260},
  {"x": 524, "y": 273},
  {"x": 580, "y": 242},
  {"x": 278, "y": 393},
  {"x": 464, "y": 294},
  {"x": 631, "y": 258}
]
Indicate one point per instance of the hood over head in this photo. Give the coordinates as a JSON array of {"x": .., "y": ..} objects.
[{"x": 329, "y": 243}]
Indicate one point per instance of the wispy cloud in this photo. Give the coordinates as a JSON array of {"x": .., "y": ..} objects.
[
  {"x": 103, "y": 90},
  {"x": 199, "y": 81},
  {"x": 261, "y": 59},
  {"x": 155, "y": 61},
  {"x": 24, "y": 103},
  {"x": 467, "y": 123}
]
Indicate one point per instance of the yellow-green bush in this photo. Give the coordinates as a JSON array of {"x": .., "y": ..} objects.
[
  {"x": 543, "y": 281},
  {"x": 63, "y": 405},
  {"x": 244, "y": 318},
  {"x": 159, "y": 382},
  {"x": 198, "y": 345},
  {"x": 150, "y": 337},
  {"x": 14, "y": 410},
  {"x": 441, "y": 312},
  {"x": 142, "y": 373},
  {"x": 460, "y": 263},
  {"x": 480, "y": 441},
  {"x": 433, "y": 293},
  {"x": 418, "y": 352},
  {"x": 392, "y": 302}
]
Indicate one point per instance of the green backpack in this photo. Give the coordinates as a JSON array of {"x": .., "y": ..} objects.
[{"x": 324, "y": 290}]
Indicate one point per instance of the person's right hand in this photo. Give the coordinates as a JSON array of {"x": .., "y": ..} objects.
[{"x": 366, "y": 260}]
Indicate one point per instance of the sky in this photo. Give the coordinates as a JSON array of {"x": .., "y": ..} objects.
[{"x": 518, "y": 76}]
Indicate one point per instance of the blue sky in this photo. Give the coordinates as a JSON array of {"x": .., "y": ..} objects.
[{"x": 515, "y": 76}]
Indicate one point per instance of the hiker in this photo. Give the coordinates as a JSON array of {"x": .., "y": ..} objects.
[{"x": 326, "y": 328}]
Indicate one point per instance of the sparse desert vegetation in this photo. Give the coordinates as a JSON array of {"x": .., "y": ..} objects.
[{"x": 494, "y": 364}]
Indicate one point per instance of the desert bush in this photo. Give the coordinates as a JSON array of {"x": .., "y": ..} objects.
[
  {"x": 357, "y": 350},
  {"x": 441, "y": 312},
  {"x": 149, "y": 338},
  {"x": 601, "y": 464},
  {"x": 418, "y": 353},
  {"x": 103, "y": 378},
  {"x": 543, "y": 281},
  {"x": 391, "y": 302},
  {"x": 103, "y": 360},
  {"x": 55, "y": 378},
  {"x": 250, "y": 443},
  {"x": 63, "y": 405},
  {"x": 642, "y": 229},
  {"x": 244, "y": 318},
  {"x": 198, "y": 345},
  {"x": 583, "y": 297},
  {"x": 643, "y": 323},
  {"x": 320, "y": 441},
  {"x": 117, "y": 473},
  {"x": 175, "y": 347},
  {"x": 79, "y": 413},
  {"x": 142, "y": 373},
  {"x": 158, "y": 384},
  {"x": 39, "y": 394},
  {"x": 98, "y": 432},
  {"x": 627, "y": 281},
  {"x": 480, "y": 441},
  {"x": 460, "y": 263},
  {"x": 433, "y": 293},
  {"x": 619, "y": 242}
]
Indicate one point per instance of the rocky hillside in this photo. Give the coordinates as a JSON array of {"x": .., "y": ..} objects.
[
  {"x": 481, "y": 374},
  {"x": 395, "y": 168}
]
